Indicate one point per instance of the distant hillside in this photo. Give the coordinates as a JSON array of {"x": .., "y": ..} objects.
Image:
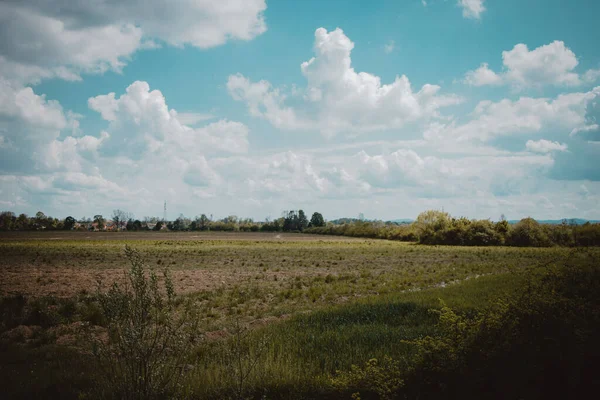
[
  {"x": 402, "y": 221},
  {"x": 341, "y": 221},
  {"x": 576, "y": 221}
]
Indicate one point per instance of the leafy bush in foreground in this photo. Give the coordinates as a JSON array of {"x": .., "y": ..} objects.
[{"x": 148, "y": 337}]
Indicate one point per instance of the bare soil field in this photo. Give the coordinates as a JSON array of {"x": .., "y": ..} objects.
[
  {"x": 184, "y": 236},
  {"x": 324, "y": 268}
]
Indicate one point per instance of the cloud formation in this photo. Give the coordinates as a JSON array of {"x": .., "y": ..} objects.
[
  {"x": 472, "y": 8},
  {"x": 552, "y": 64},
  {"x": 339, "y": 99},
  {"x": 59, "y": 40}
]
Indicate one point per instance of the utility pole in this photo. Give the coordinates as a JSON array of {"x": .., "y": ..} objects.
[{"x": 165, "y": 213}]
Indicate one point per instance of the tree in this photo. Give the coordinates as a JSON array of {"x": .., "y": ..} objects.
[
  {"x": 40, "y": 220},
  {"x": 158, "y": 226},
  {"x": 6, "y": 220},
  {"x": 302, "y": 220},
  {"x": 317, "y": 220},
  {"x": 69, "y": 223},
  {"x": 120, "y": 218},
  {"x": 22, "y": 222},
  {"x": 290, "y": 221},
  {"x": 99, "y": 219},
  {"x": 180, "y": 224},
  {"x": 431, "y": 225}
]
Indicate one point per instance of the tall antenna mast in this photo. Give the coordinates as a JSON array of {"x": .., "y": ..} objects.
[{"x": 165, "y": 212}]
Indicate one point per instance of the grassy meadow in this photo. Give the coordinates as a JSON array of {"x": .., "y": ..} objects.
[{"x": 285, "y": 311}]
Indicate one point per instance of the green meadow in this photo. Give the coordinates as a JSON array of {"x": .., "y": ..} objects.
[{"x": 279, "y": 316}]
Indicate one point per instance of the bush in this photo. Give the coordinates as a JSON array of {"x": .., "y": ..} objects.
[
  {"x": 148, "y": 338},
  {"x": 528, "y": 232},
  {"x": 382, "y": 379}
]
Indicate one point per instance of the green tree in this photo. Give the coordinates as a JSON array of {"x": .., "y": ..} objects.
[
  {"x": 69, "y": 223},
  {"x": 99, "y": 219},
  {"x": 6, "y": 220},
  {"x": 22, "y": 222},
  {"x": 40, "y": 220},
  {"x": 529, "y": 232},
  {"x": 317, "y": 220},
  {"x": 302, "y": 220},
  {"x": 431, "y": 225}
]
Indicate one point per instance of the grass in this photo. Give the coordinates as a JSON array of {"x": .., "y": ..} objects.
[
  {"x": 307, "y": 349},
  {"x": 322, "y": 304}
]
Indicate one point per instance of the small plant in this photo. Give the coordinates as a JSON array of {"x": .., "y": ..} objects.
[
  {"x": 375, "y": 377},
  {"x": 244, "y": 358},
  {"x": 148, "y": 337}
]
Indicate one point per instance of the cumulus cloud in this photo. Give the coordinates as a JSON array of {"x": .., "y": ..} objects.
[
  {"x": 482, "y": 76},
  {"x": 200, "y": 173},
  {"x": 472, "y": 8},
  {"x": 30, "y": 126},
  {"x": 434, "y": 176},
  {"x": 45, "y": 39},
  {"x": 339, "y": 99},
  {"x": 545, "y": 146},
  {"x": 552, "y": 64},
  {"x": 525, "y": 115},
  {"x": 140, "y": 123}
]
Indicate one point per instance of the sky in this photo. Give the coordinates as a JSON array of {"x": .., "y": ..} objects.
[{"x": 252, "y": 107}]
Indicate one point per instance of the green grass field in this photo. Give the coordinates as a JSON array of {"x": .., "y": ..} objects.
[{"x": 311, "y": 305}]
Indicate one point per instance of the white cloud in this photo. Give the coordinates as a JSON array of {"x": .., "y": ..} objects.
[
  {"x": 140, "y": 122},
  {"x": 191, "y": 119},
  {"x": 433, "y": 176},
  {"x": 493, "y": 119},
  {"x": 30, "y": 126},
  {"x": 545, "y": 146},
  {"x": 105, "y": 104},
  {"x": 265, "y": 102},
  {"x": 339, "y": 99},
  {"x": 199, "y": 173},
  {"x": 482, "y": 76},
  {"x": 389, "y": 47},
  {"x": 552, "y": 64},
  {"x": 50, "y": 39},
  {"x": 472, "y": 8},
  {"x": 591, "y": 75},
  {"x": 549, "y": 64}
]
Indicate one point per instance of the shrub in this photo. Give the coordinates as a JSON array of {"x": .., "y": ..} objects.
[
  {"x": 542, "y": 344},
  {"x": 148, "y": 338},
  {"x": 374, "y": 378},
  {"x": 529, "y": 232}
]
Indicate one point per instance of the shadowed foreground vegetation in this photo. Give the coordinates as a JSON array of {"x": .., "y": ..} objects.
[{"x": 513, "y": 323}]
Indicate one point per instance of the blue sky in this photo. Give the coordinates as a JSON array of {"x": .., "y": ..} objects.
[{"x": 247, "y": 107}]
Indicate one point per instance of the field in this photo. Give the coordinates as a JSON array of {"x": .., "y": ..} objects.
[{"x": 321, "y": 303}]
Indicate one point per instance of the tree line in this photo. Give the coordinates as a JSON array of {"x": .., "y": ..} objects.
[
  {"x": 431, "y": 227},
  {"x": 290, "y": 221},
  {"x": 440, "y": 228}
]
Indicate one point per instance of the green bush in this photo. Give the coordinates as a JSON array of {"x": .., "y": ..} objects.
[
  {"x": 148, "y": 337},
  {"x": 528, "y": 232}
]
